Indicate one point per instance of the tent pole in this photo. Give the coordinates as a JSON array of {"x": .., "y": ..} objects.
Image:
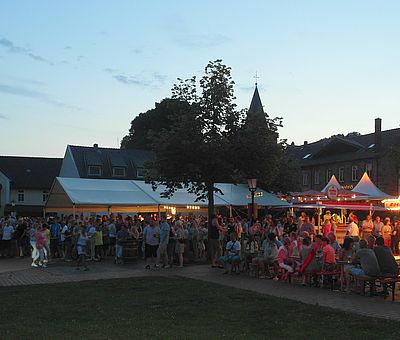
[
  {"x": 74, "y": 210},
  {"x": 319, "y": 219},
  {"x": 158, "y": 212},
  {"x": 230, "y": 211}
]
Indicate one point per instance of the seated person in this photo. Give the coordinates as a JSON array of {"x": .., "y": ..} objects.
[
  {"x": 328, "y": 255},
  {"x": 251, "y": 250},
  {"x": 333, "y": 242},
  {"x": 270, "y": 255},
  {"x": 294, "y": 247},
  {"x": 367, "y": 260},
  {"x": 283, "y": 258},
  {"x": 371, "y": 241},
  {"x": 346, "y": 253},
  {"x": 387, "y": 263},
  {"x": 232, "y": 254}
]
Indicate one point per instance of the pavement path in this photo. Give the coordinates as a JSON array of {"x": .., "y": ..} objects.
[{"x": 16, "y": 272}]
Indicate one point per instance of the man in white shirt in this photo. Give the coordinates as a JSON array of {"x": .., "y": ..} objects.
[{"x": 352, "y": 229}]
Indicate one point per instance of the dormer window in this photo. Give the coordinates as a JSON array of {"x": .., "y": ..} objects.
[
  {"x": 94, "y": 170},
  {"x": 140, "y": 172},
  {"x": 119, "y": 171}
]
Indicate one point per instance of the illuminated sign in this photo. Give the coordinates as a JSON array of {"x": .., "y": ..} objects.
[
  {"x": 392, "y": 204},
  {"x": 332, "y": 193},
  {"x": 256, "y": 194},
  {"x": 348, "y": 187}
]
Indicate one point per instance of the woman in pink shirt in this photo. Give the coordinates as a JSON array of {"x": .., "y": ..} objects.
[
  {"x": 327, "y": 227},
  {"x": 283, "y": 258}
]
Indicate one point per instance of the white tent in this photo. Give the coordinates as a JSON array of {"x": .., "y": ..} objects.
[
  {"x": 103, "y": 195},
  {"x": 332, "y": 182},
  {"x": 367, "y": 187}
]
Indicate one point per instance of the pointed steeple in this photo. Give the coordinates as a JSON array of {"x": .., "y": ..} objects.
[{"x": 256, "y": 105}]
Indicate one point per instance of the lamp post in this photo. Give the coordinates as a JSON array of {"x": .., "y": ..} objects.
[{"x": 252, "y": 184}]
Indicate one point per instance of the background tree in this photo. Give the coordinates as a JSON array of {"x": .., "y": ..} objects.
[{"x": 145, "y": 124}]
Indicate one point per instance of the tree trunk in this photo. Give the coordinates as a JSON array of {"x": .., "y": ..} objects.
[{"x": 210, "y": 197}]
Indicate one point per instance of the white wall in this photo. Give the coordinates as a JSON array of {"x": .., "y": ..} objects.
[{"x": 32, "y": 197}]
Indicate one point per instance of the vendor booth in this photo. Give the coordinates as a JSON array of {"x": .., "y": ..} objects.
[{"x": 364, "y": 197}]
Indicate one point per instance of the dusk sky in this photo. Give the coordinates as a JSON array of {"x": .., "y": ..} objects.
[{"x": 77, "y": 72}]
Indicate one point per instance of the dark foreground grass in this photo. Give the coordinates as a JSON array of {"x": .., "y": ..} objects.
[{"x": 171, "y": 308}]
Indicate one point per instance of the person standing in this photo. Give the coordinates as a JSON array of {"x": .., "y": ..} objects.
[
  {"x": 367, "y": 227},
  {"x": 91, "y": 234},
  {"x": 122, "y": 235},
  {"x": 387, "y": 232},
  {"x": 180, "y": 241},
  {"x": 81, "y": 243},
  {"x": 32, "y": 240},
  {"x": 162, "y": 253},
  {"x": 150, "y": 236},
  {"x": 395, "y": 239},
  {"x": 352, "y": 229},
  {"x": 378, "y": 224},
  {"x": 214, "y": 246},
  {"x": 55, "y": 237},
  {"x": 8, "y": 232},
  {"x": 112, "y": 234},
  {"x": 40, "y": 242}
]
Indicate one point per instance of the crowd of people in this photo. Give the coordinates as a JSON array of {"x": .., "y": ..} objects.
[{"x": 277, "y": 247}]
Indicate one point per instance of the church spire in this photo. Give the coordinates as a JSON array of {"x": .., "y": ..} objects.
[{"x": 256, "y": 105}]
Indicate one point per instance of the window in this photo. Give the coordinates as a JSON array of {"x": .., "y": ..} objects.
[
  {"x": 354, "y": 173},
  {"x": 119, "y": 171},
  {"x": 368, "y": 169},
  {"x": 94, "y": 170},
  {"x": 140, "y": 172},
  {"x": 21, "y": 196},
  {"x": 341, "y": 174},
  {"x": 305, "y": 178},
  {"x": 307, "y": 156},
  {"x": 328, "y": 175},
  {"x": 316, "y": 177},
  {"x": 45, "y": 196}
]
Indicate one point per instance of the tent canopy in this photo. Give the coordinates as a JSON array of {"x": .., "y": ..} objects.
[
  {"x": 367, "y": 187},
  {"x": 104, "y": 194}
]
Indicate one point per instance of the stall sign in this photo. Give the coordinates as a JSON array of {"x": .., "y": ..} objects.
[
  {"x": 392, "y": 204},
  {"x": 332, "y": 193}
]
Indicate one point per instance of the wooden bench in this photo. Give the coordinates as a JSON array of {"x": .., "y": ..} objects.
[
  {"x": 390, "y": 281},
  {"x": 323, "y": 274}
]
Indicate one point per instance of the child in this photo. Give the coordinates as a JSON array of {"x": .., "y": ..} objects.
[{"x": 82, "y": 239}]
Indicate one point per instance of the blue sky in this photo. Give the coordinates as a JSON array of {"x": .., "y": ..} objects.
[{"x": 78, "y": 72}]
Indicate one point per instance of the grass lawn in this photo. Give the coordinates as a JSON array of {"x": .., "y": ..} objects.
[{"x": 171, "y": 308}]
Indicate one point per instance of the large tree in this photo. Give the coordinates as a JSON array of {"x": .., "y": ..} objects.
[{"x": 208, "y": 137}]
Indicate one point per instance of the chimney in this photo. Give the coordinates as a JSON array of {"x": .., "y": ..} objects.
[
  {"x": 305, "y": 143},
  {"x": 378, "y": 134}
]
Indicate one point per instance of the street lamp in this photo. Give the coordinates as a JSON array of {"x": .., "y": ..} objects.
[{"x": 252, "y": 184}]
